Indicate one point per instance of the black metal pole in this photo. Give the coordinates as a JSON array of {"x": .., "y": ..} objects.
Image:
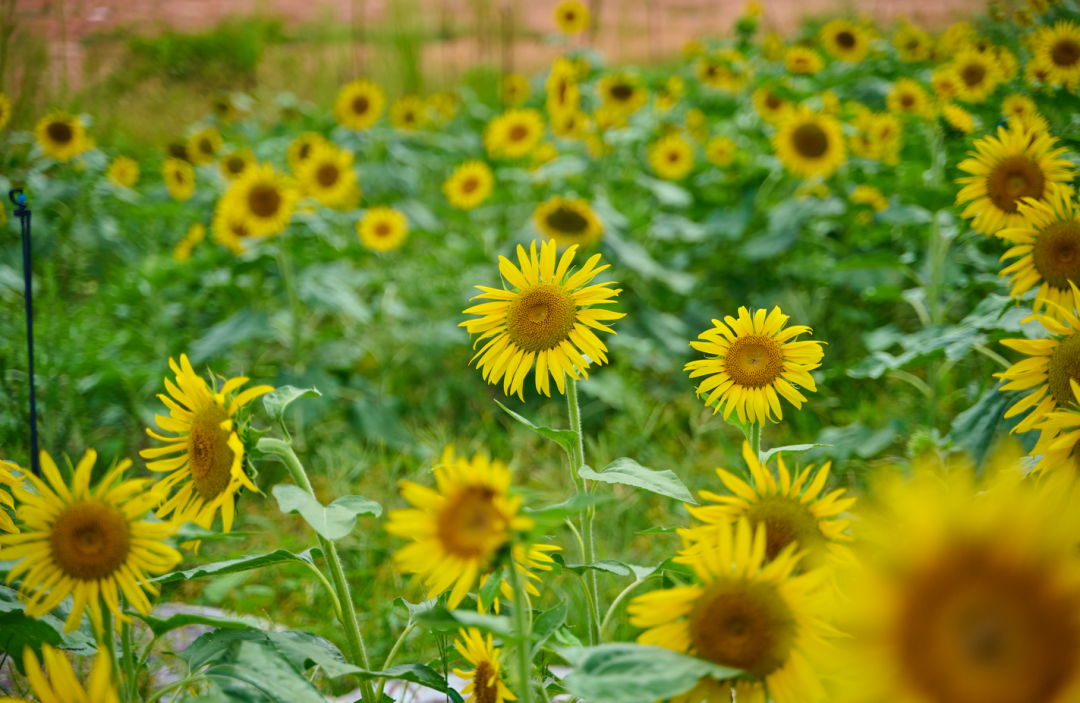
[{"x": 23, "y": 213}]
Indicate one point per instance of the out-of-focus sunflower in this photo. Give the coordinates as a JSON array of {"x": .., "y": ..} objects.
[
  {"x": 945, "y": 83},
  {"x": 5, "y": 110},
  {"x": 671, "y": 157},
  {"x": 810, "y": 144},
  {"x": 525, "y": 560},
  {"x": 56, "y": 682},
  {"x": 224, "y": 108},
  {"x": 864, "y": 194},
  {"x": 203, "y": 146},
  {"x": 443, "y": 105},
  {"x": 195, "y": 235},
  {"x": 513, "y": 89},
  {"x": 1056, "y": 50},
  {"x": 978, "y": 75},
  {"x": 802, "y": 61},
  {"x": 382, "y": 229},
  {"x": 469, "y": 185},
  {"x": 123, "y": 171},
  {"x": 724, "y": 71},
  {"x": 229, "y": 230},
  {"x": 264, "y": 199},
  {"x": 513, "y": 134},
  {"x": 1046, "y": 246},
  {"x": 958, "y": 118},
  {"x": 569, "y": 125},
  {"x": 720, "y": 151},
  {"x": 179, "y": 179},
  {"x": 568, "y": 222},
  {"x": 301, "y": 148},
  {"x": 907, "y": 97},
  {"x": 61, "y": 136},
  {"x": 236, "y": 163},
  {"x": 328, "y": 176},
  {"x": 772, "y": 108},
  {"x": 177, "y": 150},
  {"x": 561, "y": 88},
  {"x": 1018, "y": 105},
  {"x": 408, "y": 113},
  {"x": 772, "y": 46},
  {"x": 359, "y": 105},
  {"x": 622, "y": 92},
  {"x": 544, "y": 153},
  {"x": 485, "y": 682},
  {"x": 912, "y": 43},
  {"x": 571, "y": 17},
  {"x": 845, "y": 40},
  {"x": 957, "y": 36},
  {"x": 8, "y": 479}
]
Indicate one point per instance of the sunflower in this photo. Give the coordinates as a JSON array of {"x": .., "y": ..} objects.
[
  {"x": 61, "y": 136},
  {"x": 545, "y": 153},
  {"x": 907, "y": 97},
  {"x": 5, "y": 110},
  {"x": 978, "y": 75},
  {"x": 301, "y": 148},
  {"x": 671, "y": 157},
  {"x": 443, "y": 105},
  {"x": 229, "y": 229},
  {"x": 513, "y": 89},
  {"x": 89, "y": 544},
  {"x": 561, "y": 88},
  {"x": 223, "y": 108},
  {"x": 1007, "y": 62},
  {"x": 569, "y": 125},
  {"x": 204, "y": 145},
  {"x": 772, "y": 46},
  {"x": 328, "y": 176},
  {"x": 878, "y": 135},
  {"x": 359, "y": 105},
  {"x": 756, "y": 359},
  {"x": 802, "y": 61},
  {"x": 697, "y": 124},
  {"x": 772, "y": 108},
  {"x": 546, "y": 319},
  {"x": 1018, "y": 105},
  {"x": 720, "y": 151},
  {"x": 10, "y": 480},
  {"x": 1046, "y": 246},
  {"x": 810, "y": 144},
  {"x": 196, "y": 233},
  {"x": 535, "y": 557},
  {"x": 1060, "y": 434},
  {"x": 912, "y": 44},
  {"x": 622, "y": 92},
  {"x": 1056, "y": 50},
  {"x": 408, "y": 113},
  {"x": 742, "y": 613},
  {"x": 845, "y": 40},
  {"x": 957, "y": 36},
  {"x": 459, "y": 529},
  {"x": 123, "y": 171},
  {"x": 724, "y": 71},
  {"x": 485, "y": 682},
  {"x": 1005, "y": 169},
  {"x": 264, "y": 199},
  {"x": 177, "y": 150},
  {"x": 179, "y": 178},
  {"x": 513, "y": 134},
  {"x": 237, "y": 163},
  {"x": 945, "y": 83},
  {"x": 56, "y": 680},
  {"x": 1022, "y": 18},
  {"x": 469, "y": 185},
  {"x": 958, "y": 118},
  {"x": 869, "y": 195},
  {"x": 382, "y": 229},
  {"x": 568, "y": 222},
  {"x": 571, "y": 17}
]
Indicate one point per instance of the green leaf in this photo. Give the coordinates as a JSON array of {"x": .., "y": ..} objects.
[
  {"x": 189, "y": 532},
  {"x": 630, "y": 473},
  {"x": 17, "y": 631},
  {"x": 441, "y": 621},
  {"x": 632, "y": 673},
  {"x": 765, "y": 456},
  {"x": 331, "y": 522},
  {"x": 159, "y": 626},
  {"x": 974, "y": 429},
  {"x": 568, "y": 508},
  {"x": 547, "y": 624},
  {"x": 263, "y": 668},
  {"x": 247, "y": 563},
  {"x": 416, "y": 608},
  {"x": 278, "y": 401},
  {"x": 567, "y": 439},
  {"x": 490, "y": 588},
  {"x": 414, "y": 673}
]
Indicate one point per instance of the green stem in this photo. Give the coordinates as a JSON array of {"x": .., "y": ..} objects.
[
  {"x": 108, "y": 640},
  {"x": 352, "y": 626},
  {"x": 589, "y": 515},
  {"x": 615, "y": 605},
  {"x": 329, "y": 590},
  {"x": 128, "y": 661},
  {"x": 521, "y": 631},
  {"x": 594, "y": 614},
  {"x": 390, "y": 657},
  {"x": 755, "y": 439}
]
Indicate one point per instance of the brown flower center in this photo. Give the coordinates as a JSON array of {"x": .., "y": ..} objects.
[
  {"x": 235, "y": 165},
  {"x": 743, "y": 625},
  {"x": 1064, "y": 365},
  {"x": 360, "y": 105},
  {"x": 567, "y": 220},
  {"x": 810, "y": 140},
  {"x": 209, "y": 453},
  {"x": 1065, "y": 53},
  {"x": 518, "y": 133},
  {"x": 754, "y": 360},
  {"x": 469, "y": 185},
  {"x": 1056, "y": 254},
  {"x": 60, "y": 132},
  {"x": 469, "y": 525},
  {"x": 206, "y": 146},
  {"x": 485, "y": 686},
  {"x": 973, "y": 74},
  {"x": 907, "y": 100},
  {"x": 327, "y": 175},
  {"x": 541, "y": 317},
  {"x": 1012, "y": 179},
  {"x": 90, "y": 540},
  {"x": 177, "y": 151},
  {"x": 622, "y": 92},
  {"x": 773, "y": 102},
  {"x": 383, "y": 229},
  {"x": 846, "y": 39},
  {"x": 264, "y": 200},
  {"x": 786, "y": 520}
]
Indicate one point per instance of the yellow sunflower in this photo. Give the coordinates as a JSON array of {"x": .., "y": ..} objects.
[
  {"x": 720, "y": 151},
  {"x": 945, "y": 83},
  {"x": 208, "y": 465},
  {"x": 485, "y": 681},
  {"x": 382, "y": 229},
  {"x": 1005, "y": 169},
  {"x": 177, "y": 150},
  {"x": 123, "y": 171},
  {"x": 359, "y": 105},
  {"x": 264, "y": 199},
  {"x": 237, "y": 163},
  {"x": 569, "y": 125},
  {"x": 622, "y": 92},
  {"x": 571, "y": 17},
  {"x": 1059, "y": 436},
  {"x": 196, "y": 233},
  {"x": 770, "y": 106},
  {"x": 300, "y": 149},
  {"x": 469, "y": 185},
  {"x": 61, "y": 136},
  {"x": 223, "y": 108},
  {"x": 5, "y": 110},
  {"x": 756, "y": 361},
  {"x": 56, "y": 682},
  {"x": 545, "y": 318},
  {"x": 408, "y": 113},
  {"x": 90, "y": 544},
  {"x": 179, "y": 178},
  {"x": 907, "y": 97},
  {"x": 724, "y": 71},
  {"x": 513, "y": 134},
  {"x": 810, "y": 144},
  {"x": 328, "y": 176},
  {"x": 457, "y": 530},
  {"x": 204, "y": 145},
  {"x": 912, "y": 44},
  {"x": 563, "y": 95},
  {"x": 10, "y": 480},
  {"x": 1018, "y": 105},
  {"x": 229, "y": 229},
  {"x": 1056, "y": 50},
  {"x": 958, "y": 118},
  {"x": 525, "y": 560},
  {"x": 742, "y": 613},
  {"x": 671, "y": 157},
  {"x": 959, "y": 35},
  {"x": 801, "y": 61},
  {"x": 772, "y": 46},
  {"x": 545, "y": 153},
  {"x": 844, "y": 40},
  {"x": 869, "y": 195},
  {"x": 1022, "y": 18},
  {"x": 978, "y": 74},
  {"x": 513, "y": 89},
  {"x": 568, "y": 222}
]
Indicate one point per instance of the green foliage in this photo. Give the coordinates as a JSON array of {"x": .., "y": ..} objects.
[{"x": 228, "y": 54}]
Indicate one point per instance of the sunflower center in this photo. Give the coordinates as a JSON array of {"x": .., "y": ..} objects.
[
  {"x": 570, "y": 16},
  {"x": 973, "y": 74},
  {"x": 974, "y": 628},
  {"x": 305, "y": 151},
  {"x": 264, "y": 200},
  {"x": 60, "y": 132},
  {"x": 518, "y": 132},
  {"x": 178, "y": 151},
  {"x": 786, "y": 520},
  {"x": 622, "y": 92},
  {"x": 209, "y": 453},
  {"x": 205, "y": 146},
  {"x": 360, "y": 105},
  {"x": 382, "y": 229},
  {"x": 235, "y": 165},
  {"x": 811, "y": 140},
  {"x": 743, "y": 625},
  {"x": 1057, "y": 254},
  {"x": 327, "y": 175},
  {"x": 773, "y": 102},
  {"x": 907, "y": 99},
  {"x": 90, "y": 540},
  {"x": 485, "y": 690},
  {"x": 541, "y": 317},
  {"x": 408, "y": 117},
  {"x": 754, "y": 360},
  {"x": 1013, "y": 179},
  {"x": 1065, "y": 53},
  {"x": 470, "y": 526},
  {"x": 566, "y": 220},
  {"x": 673, "y": 157},
  {"x": 469, "y": 185},
  {"x": 846, "y": 40},
  {"x": 1064, "y": 365}
]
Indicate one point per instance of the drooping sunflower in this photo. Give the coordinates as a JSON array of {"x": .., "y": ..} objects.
[
  {"x": 978, "y": 75},
  {"x": 545, "y": 318},
  {"x": 196, "y": 234},
  {"x": 845, "y": 40},
  {"x": 5, "y": 110},
  {"x": 912, "y": 44},
  {"x": 469, "y": 185},
  {"x": 300, "y": 149},
  {"x": 1005, "y": 169},
  {"x": 742, "y": 613},
  {"x": 958, "y": 118},
  {"x": 571, "y": 17},
  {"x": 563, "y": 96},
  {"x": 204, "y": 145},
  {"x": 772, "y": 108},
  {"x": 756, "y": 361},
  {"x": 810, "y": 144},
  {"x": 328, "y": 176},
  {"x": 568, "y": 222},
  {"x": 359, "y": 105},
  {"x": 383, "y": 229},
  {"x": 236, "y": 163},
  {"x": 622, "y": 92},
  {"x": 1056, "y": 50},
  {"x": 513, "y": 134},
  {"x": 907, "y": 97},
  {"x": 263, "y": 199},
  {"x": 408, "y": 113},
  {"x": 90, "y": 544},
  {"x": 525, "y": 560},
  {"x": 485, "y": 681},
  {"x": 457, "y": 530},
  {"x": 179, "y": 178},
  {"x": 205, "y": 459},
  {"x": 1046, "y": 247},
  {"x": 1018, "y": 105},
  {"x": 720, "y": 151},
  {"x": 61, "y": 136},
  {"x": 671, "y": 157},
  {"x": 56, "y": 682},
  {"x": 513, "y": 89},
  {"x": 802, "y": 61},
  {"x": 123, "y": 171}
]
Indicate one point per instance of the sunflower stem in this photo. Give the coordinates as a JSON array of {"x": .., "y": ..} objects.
[
  {"x": 615, "y": 605},
  {"x": 589, "y": 515},
  {"x": 521, "y": 631},
  {"x": 128, "y": 661},
  {"x": 755, "y": 439},
  {"x": 390, "y": 658},
  {"x": 108, "y": 640}
]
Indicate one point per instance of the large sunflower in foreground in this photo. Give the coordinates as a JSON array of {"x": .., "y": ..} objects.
[
  {"x": 328, "y": 176},
  {"x": 485, "y": 681},
  {"x": 263, "y": 199},
  {"x": 205, "y": 458},
  {"x": 545, "y": 318},
  {"x": 742, "y": 613},
  {"x": 91, "y": 544},
  {"x": 382, "y": 229},
  {"x": 359, "y": 105},
  {"x": 513, "y": 134},
  {"x": 179, "y": 178},
  {"x": 1059, "y": 436},
  {"x": 810, "y": 144},
  {"x": 61, "y": 136},
  {"x": 1056, "y": 50},
  {"x": 1005, "y": 169},
  {"x": 469, "y": 185},
  {"x": 845, "y": 40},
  {"x": 1047, "y": 252},
  {"x": 568, "y": 222},
  {"x": 56, "y": 682},
  {"x": 756, "y": 361},
  {"x": 458, "y": 528}
]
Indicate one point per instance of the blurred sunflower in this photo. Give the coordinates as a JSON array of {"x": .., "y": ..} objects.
[
  {"x": 10, "y": 480},
  {"x": 513, "y": 89},
  {"x": 1022, "y": 18},
  {"x": 236, "y": 163},
  {"x": 756, "y": 361},
  {"x": 810, "y": 144},
  {"x": 945, "y": 83},
  {"x": 123, "y": 171},
  {"x": 56, "y": 682},
  {"x": 801, "y": 61},
  {"x": 359, "y": 105},
  {"x": 724, "y": 71},
  {"x": 844, "y": 40},
  {"x": 485, "y": 683},
  {"x": 671, "y": 157},
  {"x": 1005, "y": 169},
  {"x": 622, "y": 92},
  {"x": 546, "y": 319},
  {"x": 569, "y": 125},
  {"x": 958, "y": 118},
  {"x": 328, "y": 176},
  {"x": 771, "y": 107},
  {"x": 772, "y": 46},
  {"x": 469, "y": 185},
  {"x": 912, "y": 44},
  {"x": 1056, "y": 49},
  {"x": 5, "y": 110},
  {"x": 571, "y": 17},
  {"x": 196, "y": 234},
  {"x": 720, "y": 151},
  {"x": 61, "y": 136},
  {"x": 204, "y": 145},
  {"x": 513, "y": 134},
  {"x": 544, "y": 153},
  {"x": 382, "y": 229},
  {"x": 1046, "y": 246},
  {"x": 229, "y": 230},
  {"x": 90, "y": 544},
  {"x": 300, "y": 149},
  {"x": 177, "y": 150},
  {"x": 978, "y": 75},
  {"x": 957, "y": 36},
  {"x": 179, "y": 178},
  {"x": 1018, "y": 105},
  {"x": 1008, "y": 63},
  {"x": 223, "y": 108},
  {"x": 568, "y": 222},
  {"x": 443, "y": 105},
  {"x": 697, "y": 124},
  {"x": 907, "y": 97},
  {"x": 525, "y": 560},
  {"x": 457, "y": 530},
  {"x": 263, "y": 199},
  {"x": 869, "y": 195},
  {"x": 561, "y": 88},
  {"x": 408, "y": 113}
]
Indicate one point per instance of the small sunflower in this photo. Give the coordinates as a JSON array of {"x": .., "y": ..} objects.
[
  {"x": 772, "y": 108},
  {"x": 697, "y": 124},
  {"x": 195, "y": 235},
  {"x": 907, "y": 97},
  {"x": 179, "y": 178},
  {"x": 568, "y": 222},
  {"x": 328, "y": 176},
  {"x": 958, "y": 118},
  {"x": 224, "y": 108},
  {"x": 978, "y": 74},
  {"x": 801, "y": 61},
  {"x": 671, "y": 157},
  {"x": 236, "y": 163},
  {"x": 622, "y": 92},
  {"x": 1056, "y": 50},
  {"x": 545, "y": 318},
  {"x": 569, "y": 125},
  {"x": 545, "y": 153},
  {"x": 772, "y": 46},
  {"x": 1046, "y": 247},
  {"x": 720, "y": 151},
  {"x": 571, "y": 17},
  {"x": 301, "y": 148},
  {"x": 513, "y": 89},
  {"x": 756, "y": 361},
  {"x": 457, "y": 530},
  {"x": 513, "y": 134},
  {"x": 957, "y": 36},
  {"x": 204, "y": 145},
  {"x": 725, "y": 71},
  {"x": 945, "y": 83},
  {"x": 56, "y": 680},
  {"x": 912, "y": 44},
  {"x": 90, "y": 544},
  {"x": 5, "y": 110},
  {"x": 383, "y": 229},
  {"x": 264, "y": 199},
  {"x": 443, "y": 105},
  {"x": 61, "y": 136},
  {"x": 469, "y": 185},
  {"x": 408, "y": 113},
  {"x": 845, "y": 40},
  {"x": 359, "y": 105},
  {"x": 123, "y": 171},
  {"x": 869, "y": 195},
  {"x": 1005, "y": 169},
  {"x": 229, "y": 229},
  {"x": 563, "y": 96},
  {"x": 485, "y": 681},
  {"x": 1018, "y": 105},
  {"x": 810, "y": 144}
]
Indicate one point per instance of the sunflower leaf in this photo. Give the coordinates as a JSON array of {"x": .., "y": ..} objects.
[
  {"x": 441, "y": 621},
  {"x": 247, "y": 563},
  {"x": 488, "y": 592},
  {"x": 630, "y": 473},
  {"x": 160, "y": 626},
  {"x": 276, "y": 402},
  {"x": 260, "y": 666},
  {"x": 547, "y": 624},
  {"x": 789, "y": 449},
  {"x": 564, "y": 438},
  {"x": 332, "y": 522}
]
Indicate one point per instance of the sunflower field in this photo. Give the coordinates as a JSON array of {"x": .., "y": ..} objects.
[{"x": 749, "y": 376}]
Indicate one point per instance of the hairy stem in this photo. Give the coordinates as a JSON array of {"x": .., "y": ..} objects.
[
  {"x": 390, "y": 658},
  {"x": 132, "y": 684},
  {"x": 521, "y": 631},
  {"x": 589, "y": 515}
]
